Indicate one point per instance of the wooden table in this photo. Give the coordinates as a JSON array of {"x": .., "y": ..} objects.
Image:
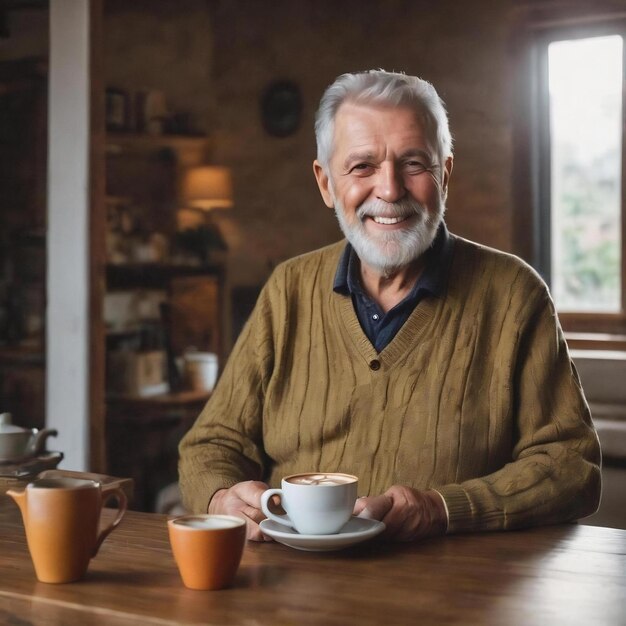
[{"x": 558, "y": 575}]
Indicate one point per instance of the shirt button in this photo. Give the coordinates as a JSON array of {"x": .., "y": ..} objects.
[
  {"x": 375, "y": 317},
  {"x": 375, "y": 364}
]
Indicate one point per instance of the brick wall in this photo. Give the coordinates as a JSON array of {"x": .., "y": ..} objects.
[
  {"x": 462, "y": 47},
  {"x": 217, "y": 63}
]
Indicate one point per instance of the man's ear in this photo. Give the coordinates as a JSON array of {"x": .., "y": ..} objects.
[
  {"x": 323, "y": 182},
  {"x": 447, "y": 172}
]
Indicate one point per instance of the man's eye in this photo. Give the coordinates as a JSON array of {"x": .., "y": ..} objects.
[
  {"x": 415, "y": 166},
  {"x": 360, "y": 167}
]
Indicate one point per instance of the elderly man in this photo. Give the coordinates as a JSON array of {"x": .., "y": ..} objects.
[{"x": 431, "y": 367}]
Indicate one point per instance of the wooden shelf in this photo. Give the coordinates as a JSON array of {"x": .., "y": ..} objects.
[
  {"x": 189, "y": 149},
  {"x": 181, "y": 398},
  {"x": 153, "y": 275},
  {"x": 22, "y": 355},
  {"x": 142, "y": 433},
  {"x": 143, "y": 436}
]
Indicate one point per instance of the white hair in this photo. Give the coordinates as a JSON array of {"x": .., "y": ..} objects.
[
  {"x": 378, "y": 87},
  {"x": 387, "y": 252}
]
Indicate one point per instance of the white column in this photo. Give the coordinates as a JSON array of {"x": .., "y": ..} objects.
[{"x": 67, "y": 323}]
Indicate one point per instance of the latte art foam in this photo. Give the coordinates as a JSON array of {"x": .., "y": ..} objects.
[{"x": 321, "y": 479}]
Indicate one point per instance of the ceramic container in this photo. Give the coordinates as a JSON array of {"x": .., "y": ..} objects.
[
  {"x": 62, "y": 518},
  {"x": 17, "y": 444},
  {"x": 207, "y": 549}
]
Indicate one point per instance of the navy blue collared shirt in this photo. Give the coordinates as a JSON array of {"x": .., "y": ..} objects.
[{"x": 381, "y": 327}]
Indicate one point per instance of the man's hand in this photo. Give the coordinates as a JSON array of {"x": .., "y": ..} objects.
[
  {"x": 408, "y": 514},
  {"x": 242, "y": 500}
]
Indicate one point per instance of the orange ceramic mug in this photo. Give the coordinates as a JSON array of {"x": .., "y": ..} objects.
[
  {"x": 61, "y": 518},
  {"x": 207, "y": 548}
]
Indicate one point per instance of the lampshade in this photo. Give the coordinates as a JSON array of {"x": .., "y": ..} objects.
[{"x": 208, "y": 187}]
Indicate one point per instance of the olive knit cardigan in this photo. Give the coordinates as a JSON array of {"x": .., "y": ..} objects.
[{"x": 476, "y": 397}]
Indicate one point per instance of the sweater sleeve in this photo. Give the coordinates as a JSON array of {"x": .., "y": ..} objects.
[
  {"x": 224, "y": 446},
  {"x": 554, "y": 475}
]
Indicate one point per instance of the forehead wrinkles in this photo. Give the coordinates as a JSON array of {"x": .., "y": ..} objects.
[
  {"x": 371, "y": 132},
  {"x": 425, "y": 155}
]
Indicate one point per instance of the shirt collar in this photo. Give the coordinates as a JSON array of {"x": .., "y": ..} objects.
[{"x": 433, "y": 279}]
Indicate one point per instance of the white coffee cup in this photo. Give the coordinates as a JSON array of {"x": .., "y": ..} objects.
[
  {"x": 317, "y": 503},
  {"x": 201, "y": 370}
]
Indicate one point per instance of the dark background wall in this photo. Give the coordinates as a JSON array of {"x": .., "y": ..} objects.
[
  {"x": 215, "y": 58},
  {"x": 459, "y": 46}
]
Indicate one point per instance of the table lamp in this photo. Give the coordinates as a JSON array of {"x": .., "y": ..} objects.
[
  {"x": 208, "y": 187},
  {"x": 205, "y": 189}
]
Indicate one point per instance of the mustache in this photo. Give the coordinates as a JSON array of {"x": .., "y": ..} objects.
[{"x": 379, "y": 208}]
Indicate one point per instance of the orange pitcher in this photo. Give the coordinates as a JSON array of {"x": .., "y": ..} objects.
[{"x": 61, "y": 518}]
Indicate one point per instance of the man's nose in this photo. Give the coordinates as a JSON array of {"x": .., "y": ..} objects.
[{"x": 390, "y": 185}]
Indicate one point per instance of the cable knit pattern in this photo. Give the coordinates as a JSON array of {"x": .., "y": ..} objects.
[{"x": 476, "y": 396}]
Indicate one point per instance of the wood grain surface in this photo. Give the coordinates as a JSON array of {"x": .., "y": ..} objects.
[{"x": 570, "y": 575}]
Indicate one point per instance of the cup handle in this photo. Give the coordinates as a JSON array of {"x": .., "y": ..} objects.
[
  {"x": 122, "y": 503},
  {"x": 265, "y": 497}
]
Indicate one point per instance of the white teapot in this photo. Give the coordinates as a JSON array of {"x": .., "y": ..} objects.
[{"x": 19, "y": 444}]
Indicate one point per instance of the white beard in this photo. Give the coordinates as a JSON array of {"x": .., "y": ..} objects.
[{"x": 389, "y": 251}]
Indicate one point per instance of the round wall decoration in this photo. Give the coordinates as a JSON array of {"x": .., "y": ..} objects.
[{"x": 281, "y": 108}]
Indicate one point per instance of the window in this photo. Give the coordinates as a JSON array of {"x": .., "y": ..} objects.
[
  {"x": 573, "y": 85},
  {"x": 585, "y": 166}
]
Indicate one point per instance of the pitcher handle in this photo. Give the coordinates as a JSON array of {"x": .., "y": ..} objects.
[{"x": 122, "y": 503}]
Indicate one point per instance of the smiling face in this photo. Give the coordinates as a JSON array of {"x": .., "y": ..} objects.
[{"x": 385, "y": 184}]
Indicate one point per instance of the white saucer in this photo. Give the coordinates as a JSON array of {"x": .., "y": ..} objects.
[{"x": 357, "y": 529}]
